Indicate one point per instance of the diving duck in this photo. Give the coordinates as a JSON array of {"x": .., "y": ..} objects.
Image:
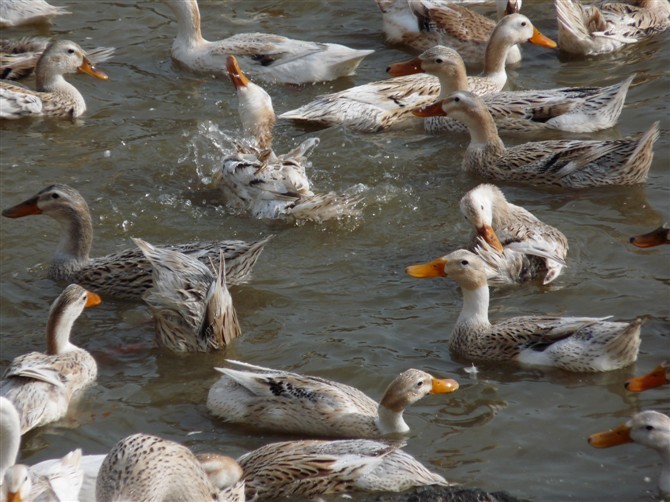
[
  {"x": 660, "y": 375},
  {"x": 422, "y": 24},
  {"x": 146, "y": 467},
  {"x": 257, "y": 181},
  {"x": 192, "y": 307},
  {"x": 566, "y": 163},
  {"x": 311, "y": 468},
  {"x": 269, "y": 57},
  {"x": 587, "y": 30},
  {"x": 18, "y": 57},
  {"x": 54, "y": 97},
  {"x": 580, "y": 344},
  {"x": 281, "y": 401},
  {"x": 20, "y": 12},
  {"x": 380, "y": 105},
  {"x": 575, "y": 109},
  {"x": 125, "y": 274},
  {"x": 41, "y": 385},
  {"x": 524, "y": 247},
  {"x": 648, "y": 428},
  {"x": 656, "y": 237}
]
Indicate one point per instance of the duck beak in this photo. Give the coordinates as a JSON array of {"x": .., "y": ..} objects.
[
  {"x": 405, "y": 68},
  {"x": 434, "y": 268},
  {"x": 653, "y": 238},
  {"x": 443, "y": 386},
  {"x": 487, "y": 233},
  {"x": 92, "y": 299},
  {"x": 88, "y": 68},
  {"x": 14, "y": 497},
  {"x": 434, "y": 110},
  {"x": 651, "y": 380},
  {"x": 25, "y": 208},
  {"x": 539, "y": 39},
  {"x": 238, "y": 78},
  {"x": 613, "y": 437}
]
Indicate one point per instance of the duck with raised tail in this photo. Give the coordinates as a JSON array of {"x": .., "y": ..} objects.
[
  {"x": 125, "y": 274},
  {"x": 272, "y": 58},
  {"x": 580, "y": 344},
  {"x": 282, "y": 401},
  {"x": 566, "y": 163}
]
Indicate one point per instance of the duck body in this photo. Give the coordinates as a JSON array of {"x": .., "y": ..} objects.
[
  {"x": 299, "y": 404},
  {"x": 269, "y": 57},
  {"x": 567, "y": 163},
  {"x": 530, "y": 248},
  {"x": 192, "y": 307},
  {"x": 20, "y": 12},
  {"x": 125, "y": 274},
  {"x": 54, "y": 97},
  {"x": 587, "y": 30},
  {"x": 41, "y": 385},
  {"x": 579, "y": 344},
  {"x": 311, "y": 468},
  {"x": 574, "y": 109}
]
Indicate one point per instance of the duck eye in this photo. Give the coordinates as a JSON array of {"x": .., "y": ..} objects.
[
  {"x": 649, "y": 427},
  {"x": 464, "y": 262},
  {"x": 523, "y": 23},
  {"x": 55, "y": 196},
  {"x": 482, "y": 206},
  {"x": 70, "y": 51},
  {"x": 439, "y": 61},
  {"x": 420, "y": 383},
  {"x": 457, "y": 100}
]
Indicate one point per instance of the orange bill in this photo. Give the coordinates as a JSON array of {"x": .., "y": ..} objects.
[
  {"x": 25, "y": 208},
  {"x": 656, "y": 378},
  {"x": 443, "y": 386},
  {"x": 14, "y": 497},
  {"x": 405, "y": 68},
  {"x": 92, "y": 299},
  {"x": 539, "y": 39},
  {"x": 487, "y": 233},
  {"x": 238, "y": 78},
  {"x": 654, "y": 238},
  {"x": 613, "y": 437},
  {"x": 89, "y": 69},
  {"x": 434, "y": 110},
  {"x": 434, "y": 268}
]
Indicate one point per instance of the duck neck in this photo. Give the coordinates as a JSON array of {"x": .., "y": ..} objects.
[
  {"x": 59, "y": 326},
  {"x": 188, "y": 22},
  {"x": 457, "y": 80},
  {"x": 475, "y": 306},
  {"x": 389, "y": 421},
  {"x": 48, "y": 81},
  {"x": 495, "y": 57},
  {"x": 76, "y": 238},
  {"x": 10, "y": 440},
  {"x": 482, "y": 127}
]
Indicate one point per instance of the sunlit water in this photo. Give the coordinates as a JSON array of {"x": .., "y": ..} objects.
[{"x": 332, "y": 299}]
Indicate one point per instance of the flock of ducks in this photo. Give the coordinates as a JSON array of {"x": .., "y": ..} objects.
[{"x": 186, "y": 285}]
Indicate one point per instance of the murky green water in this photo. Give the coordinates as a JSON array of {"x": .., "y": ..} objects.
[{"x": 332, "y": 300}]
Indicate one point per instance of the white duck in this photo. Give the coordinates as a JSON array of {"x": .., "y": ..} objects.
[
  {"x": 149, "y": 468},
  {"x": 289, "y": 402},
  {"x": 257, "y": 181},
  {"x": 54, "y": 97},
  {"x": 41, "y": 385},
  {"x": 580, "y": 344},
  {"x": 192, "y": 307},
  {"x": 648, "y": 428},
  {"x": 20, "y": 12},
  {"x": 378, "y": 106},
  {"x": 608, "y": 26},
  {"x": 524, "y": 247},
  {"x": 575, "y": 109},
  {"x": 269, "y": 57}
]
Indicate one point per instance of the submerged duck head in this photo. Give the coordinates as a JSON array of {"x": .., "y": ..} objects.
[{"x": 477, "y": 207}]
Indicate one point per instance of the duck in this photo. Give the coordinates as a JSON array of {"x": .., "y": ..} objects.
[
  {"x": 54, "y": 96},
  {"x": 386, "y": 104},
  {"x": 564, "y": 163},
  {"x": 422, "y": 24},
  {"x": 146, "y": 467},
  {"x": 310, "y": 468},
  {"x": 656, "y": 237},
  {"x": 20, "y": 12},
  {"x": 41, "y": 385},
  {"x": 660, "y": 375},
  {"x": 578, "y": 344},
  {"x": 525, "y": 247},
  {"x": 288, "y": 402},
  {"x": 648, "y": 428},
  {"x": 587, "y": 30},
  {"x": 269, "y": 57},
  {"x": 19, "y": 56},
  {"x": 255, "y": 180},
  {"x": 124, "y": 274},
  {"x": 192, "y": 307},
  {"x": 572, "y": 109}
]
